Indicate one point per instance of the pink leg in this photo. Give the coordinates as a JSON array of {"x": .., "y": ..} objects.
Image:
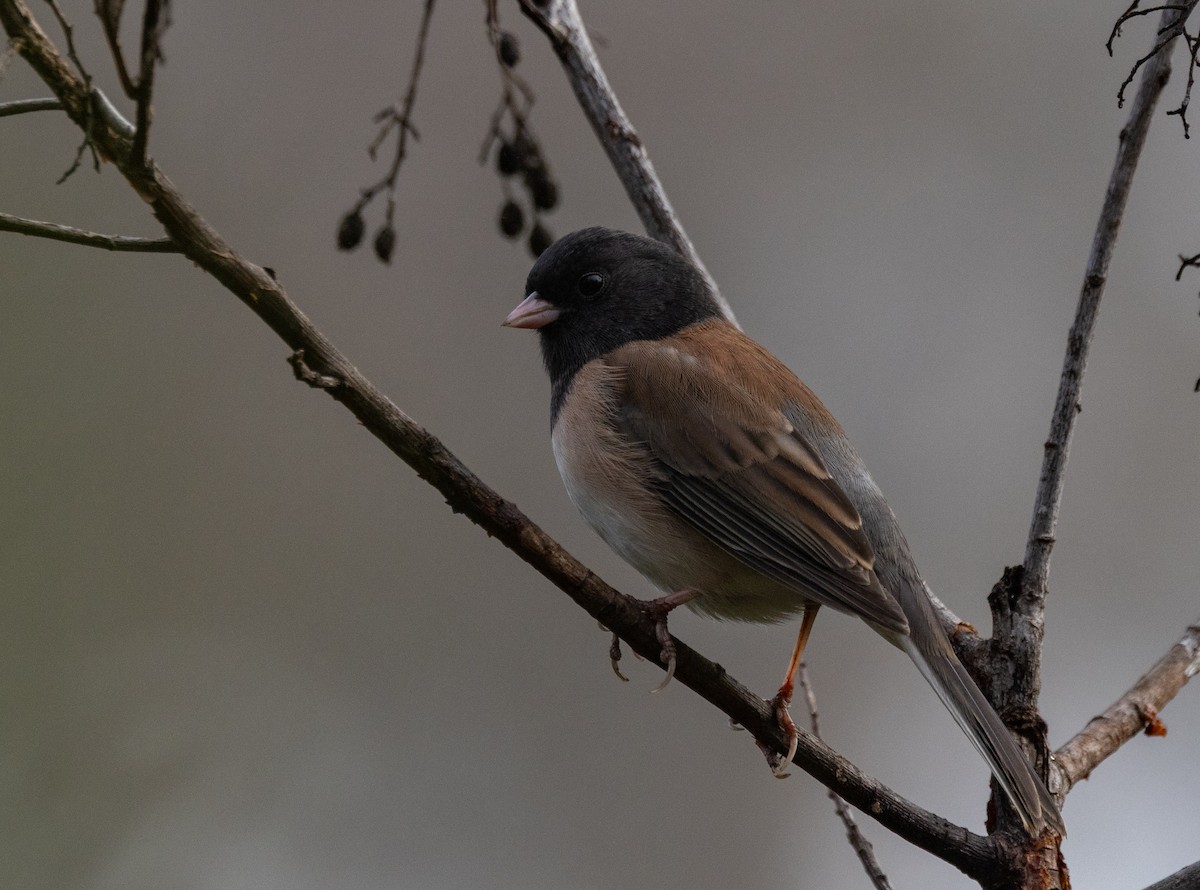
[{"x": 783, "y": 697}]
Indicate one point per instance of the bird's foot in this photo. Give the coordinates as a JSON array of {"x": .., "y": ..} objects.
[
  {"x": 657, "y": 611},
  {"x": 614, "y": 656},
  {"x": 779, "y": 704}
]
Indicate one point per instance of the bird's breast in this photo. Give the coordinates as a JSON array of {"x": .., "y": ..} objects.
[{"x": 611, "y": 480}]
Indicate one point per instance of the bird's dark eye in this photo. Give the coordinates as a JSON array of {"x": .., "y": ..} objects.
[{"x": 591, "y": 284}]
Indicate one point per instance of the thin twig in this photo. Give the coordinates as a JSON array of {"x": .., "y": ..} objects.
[
  {"x": 69, "y": 34},
  {"x": 1021, "y": 635},
  {"x": 861, "y": 846},
  {"x": 399, "y": 118},
  {"x": 514, "y": 86},
  {"x": 154, "y": 23},
  {"x": 25, "y": 106},
  {"x": 466, "y": 493},
  {"x": 516, "y": 98},
  {"x": 561, "y": 22},
  {"x": 56, "y": 232},
  {"x": 1133, "y": 712},
  {"x": 1172, "y": 25},
  {"x": 86, "y": 144},
  {"x": 109, "y": 13},
  {"x": 1187, "y": 262},
  {"x": 1181, "y": 110},
  {"x": 1132, "y": 12}
]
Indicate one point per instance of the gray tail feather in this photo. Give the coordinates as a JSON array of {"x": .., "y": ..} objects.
[{"x": 958, "y": 692}]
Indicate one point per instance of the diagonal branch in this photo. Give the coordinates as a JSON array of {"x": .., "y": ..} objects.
[
  {"x": 1187, "y": 878},
  {"x": 1134, "y": 711},
  {"x": 319, "y": 363},
  {"x": 1021, "y": 634},
  {"x": 56, "y": 232}
]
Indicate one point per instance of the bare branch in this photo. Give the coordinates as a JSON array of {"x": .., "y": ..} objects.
[
  {"x": 398, "y": 118},
  {"x": 1025, "y": 629},
  {"x": 861, "y": 846},
  {"x": 322, "y": 364},
  {"x": 1133, "y": 712},
  {"x": 561, "y": 22},
  {"x": 69, "y": 34},
  {"x": 1187, "y": 878},
  {"x": 86, "y": 124},
  {"x": 154, "y": 23},
  {"x": 56, "y": 232},
  {"x": 25, "y": 106},
  {"x": 141, "y": 90},
  {"x": 1133, "y": 12},
  {"x": 1181, "y": 110},
  {"x": 1172, "y": 26},
  {"x": 1187, "y": 262},
  {"x": 109, "y": 13}
]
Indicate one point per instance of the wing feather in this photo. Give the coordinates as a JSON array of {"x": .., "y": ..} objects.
[{"x": 734, "y": 468}]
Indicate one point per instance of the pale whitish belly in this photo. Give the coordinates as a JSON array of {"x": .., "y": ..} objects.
[{"x": 673, "y": 556}]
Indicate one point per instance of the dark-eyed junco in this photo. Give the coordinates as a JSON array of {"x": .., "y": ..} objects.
[{"x": 708, "y": 466}]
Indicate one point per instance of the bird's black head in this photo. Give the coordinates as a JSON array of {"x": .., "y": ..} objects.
[{"x": 597, "y": 289}]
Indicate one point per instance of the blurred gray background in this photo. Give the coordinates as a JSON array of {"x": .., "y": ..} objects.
[{"x": 241, "y": 645}]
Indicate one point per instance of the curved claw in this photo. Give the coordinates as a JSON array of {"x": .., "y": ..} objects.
[
  {"x": 614, "y": 656},
  {"x": 669, "y": 657},
  {"x": 658, "y": 610},
  {"x": 780, "y": 704},
  {"x": 779, "y": 770},
  {"x": 774, "y": 762}
]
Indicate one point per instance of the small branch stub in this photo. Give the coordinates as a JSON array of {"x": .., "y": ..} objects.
[{"x": 305, "y": 374}]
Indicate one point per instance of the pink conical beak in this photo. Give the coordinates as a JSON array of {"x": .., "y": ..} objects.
[{"x": 532, "y": 313}]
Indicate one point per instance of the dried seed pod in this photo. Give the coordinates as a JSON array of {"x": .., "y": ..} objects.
[
  {"x": 510, "y": 53},
  {"x": 385, "y": 243},
  {"x": 512, "y": 219},
  {"x": 508, "y": 160},
  {"x": 542, "y": 189},
  {"x": 539, "y": 239},
  {"x": 529, "y": 156},
  {"x": 350, "y": 230}
]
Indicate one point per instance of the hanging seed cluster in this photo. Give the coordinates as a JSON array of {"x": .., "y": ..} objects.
[
  {"x": 353, "y": 227},
  {"x": 530, "y": 190},
  {"x": 519, "y": 159}
]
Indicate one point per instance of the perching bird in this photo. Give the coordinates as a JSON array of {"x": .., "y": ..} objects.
[{"x": 709, "y": 467}]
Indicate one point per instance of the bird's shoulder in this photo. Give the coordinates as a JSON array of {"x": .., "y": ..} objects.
[{"x": 710, "y": 400}]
